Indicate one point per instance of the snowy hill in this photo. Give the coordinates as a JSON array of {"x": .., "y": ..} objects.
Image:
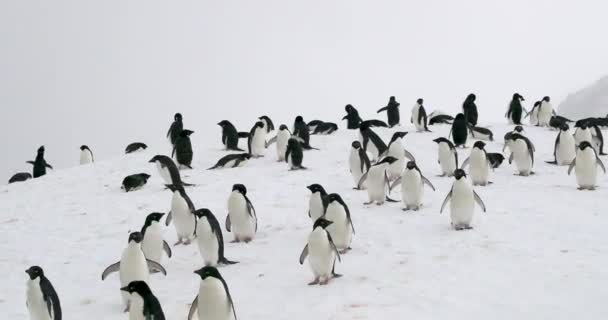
[
  {"x": 591, "y": 101},
  {"x": 538, "y": 253}
]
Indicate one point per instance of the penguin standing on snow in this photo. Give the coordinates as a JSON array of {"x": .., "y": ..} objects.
[
  {"x": 515, "y": 109},
  {"x": 213, "y": 300},
  {"x": 479, "y": 164},
  {"x": 257, "y": 140},
  {"x": 230, "y": 136},
  {"x": 144, "y": 305},
  {"x": 460, "y": 130},
  {"x": 40, "y": 164},
  {"x": 419, "y": 118},
  {"x": 371, "y": 142},
  {"x": 135, "y": 181},
  {"x": 182, "y": 211},
  {"x": 86, "y": 155},
  {"x": 20, "y": 177},
  {"x": 135, "y": 147},
  {"x": 358, "y": 162},
  {"x": 154, "y": 244},
  {"x": 533, "y": 114},
  {"x": 469, "y": 108},
  {"x": 242, "y": 219},
  {"x": 341, "y": 229},
  {"x": 42, "y": 299},
  {"x": 318, "y": 201},
  {"x": 182, "y": 150},
  {"x": 585, "y": 164},
  {"x": 232, "y": 161},
  {"x": 176, "y": 128},
  {"x": 392, "y": 112},
  {"x": 545, "y": 112},
  {"x": 462, "y": 200},
  {"x": 565, "y": 147},
  {"x": 323, "y": 253},
  {"x": 283, "y": 137},
  {"x": 133, "y": 266},
  {"x": 268, "y": 124},
  {"x": 352, "y": 117},
  {"x": 377, "y": 182},
  {"x": 412, "y": 186},
  {"x": 210, "y": 239},
  {"x": 598, "y": 139},
  {"x": 168, "y": 170},
  {"x": 522, "y": 151},
  {"x": 294, "y": 155},
  {"x": 396, "y": 150},
  {"x": 583, "y": 133},
  {"x": 301, "y": 131},
  {"x": 448, "y": 156}
]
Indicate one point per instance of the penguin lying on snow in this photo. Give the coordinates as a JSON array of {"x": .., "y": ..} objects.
[
  {"x": 325, "y": 128},
  {"x": 312, "y": 125},
  {"x": 210, "y": 239},
  {"x": 135, "y": 147},
  {"x": 232, "y": 161},
  {"x": 135, "y": 181},
  {"x": 242, "y": 219},
  {"x": 20, "y": 177},
  {"x": 481, "y": 133},
  {"x": 144, "y": 305},
  {"x": 462, "y": 200},
  {"x": 40, "y": 164},
  {"x": 42, "y": 300},
  {"x": 86, "y": 155},
  {"x": 153, "y": 245},
  {"x": 321, "y": 252},
  {"x": 585, "y": 164},
  {"x": 213, "y": 300},
  {"x": 438, "y": 117},
  {"x": 377, "y": 182},
  {"x": 230, "y": 136},
  {"x": 268, "y": 124},
  {"x": 168, "y": 171}
]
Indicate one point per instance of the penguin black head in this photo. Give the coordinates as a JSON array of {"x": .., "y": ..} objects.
[
  {"x": 517, "y": 96},
  {"x": 459, "y": 173},
  {"x": 471, "y": 97},
  {"x": 583, "y": 126},
  {"x": 185, "y": 133},
  {"x": 584, "y": 145},
  {"x": 240, "y": 188},
  {"x": 223, "y": 123},
  {"x": 536, "y": 104},
  {"x": 202, "y": 213},
  {"x": 420, "y": 101},
  {"x": 145, "y": 176},
  {"x": 84, "y": 147},
  {"x": 41, "y": 150},
  {"x": 259, "y": 124},
  {"x": 314, "y": 188},
  {"x": 388, "y": 160},
  {"x": 349, "y": 108},
  {"x": 154, "y": 217},
  {"x": 136, "y": 236},
  {"x": 155, "y": 158},
  {"x": 391, "y": 99},
  {"x": 515, "y": 136},
  {"x": 518, "y": 129},
  {"x": 459, "y": 117},
  {"x": 283, "y": 127},
  {"x": 299, "y": 119},
  {"x": 356, "y": 145},
  {"x": 441, "y": 139},
  {"x": 321, "y": 223},
  {"x": 564, "y": 127},
  {"x": 479, "y": 145},
  {"x": 139, "y": 287},
  {"x": 177, "y": 117},
  {"x": 35, "y": 272},
  {"x": 546, "y": 99},
  {"x": 207, "y": 272},
  {"x": 292, "y": 142},
  {"x": 411, "y": 165},
  {"x": 397, "y": 135}
]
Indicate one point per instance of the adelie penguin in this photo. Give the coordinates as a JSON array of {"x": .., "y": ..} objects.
[
  {"x": 175, "y": 129},
  {"x": 321, "y": 252},
  {"x": 564, "y": 150},
  {"x": 40, "y": 164},
  {"x": 230, "y": 136},
  {"x": 182, "y": 150},
  {"x": 397, "y": 151},
  {"x": 325, "y": 128},
  {"x": 318, "y": 201},
  {"x": 495, "y": 159},
  {"x": 591, "y": 133},
  {"x": 135, "y": 181},
  {"x": 135, "y": 147},
  {"x": 294, "y": 155},
  {"x": 522, "y": 152},
  {"x": 583, "y": 133},
  {"x": 412, "y": 186},
  {"x": 144, "y": 305},
  {"x": 256, "y": 143},
  {"x": 545, "y": 112},
  {"x": 469, "y": 109},
  {"x": 352, "y": 117},
  {"x": 302, "y": 133},
  {"x": 312, "y": 125},
  {"x": 515, "y": 112},
  {"x": 182, "y": 211},
  {"x": 210, "y": 239},
  {"x": 371, "y": 142},
  {"x": 533, "y": 114},
  {"x": 358, "y": 163},
  {"x": 419, "y": 117},
  {"x": 377, "y": 182},
  {"x": 232, "y": 161},
  {"x": 462, "y": 200},
  {"x": 481, "y": 133},
  {"x": 342, "y": 228},
  {"x": 585, "y": 164},
  {"x": 20, "y": 177},
  {"x": 268, "y": 124},
  {"x": 86, "y": 155},
  {"x": 392, "y": 112},
  {"x": 282, "y": 139},
  {"x": 153, "y": 244},
  {"x": 133, "y": 266},
  {"x": 242, "y": 219},
  {"x": 168, "y": 171},
  {"x": 438, "y": 117},
  {"x": 479, "y": 164},
  {"x": 213, "y": 300},
  {"x": 42, "y": 300},
  {"x": 460, "y": 130},
  {"x": 557, "y": 121},
  {"x": 448, "y": 156}
]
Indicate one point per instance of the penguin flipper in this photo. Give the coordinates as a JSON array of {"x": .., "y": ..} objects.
[
  {"x": 271, "y": 141},
  {"x": 333, "y": 246},
  {"x": 167, "y": 249},
  {"x": 362, "y": 180},
  {"x": 572, "y": 164},
  {"x": 479, "y": 201},
  {"x": 193, "y": 308},
  {"x": 169, "y": 218},
  {"x": 228, "y": 224},
  {"x": 48, "y": 166},
  {"x": 465, "y": 163},
  {"x": 445, "y": 202},
  {"x": 304, "y": 254},
  {"x": 243, "y": 134},
  {"x": 115, "y": 267},
  {"x": 156, "y": 267},
  {"x": 395, "y": 183},
  {"x": 427, "y": 182},
  {"x": 409, "y": 155},
  {"x": 390, "y": 200},
  {"x": 511, "y": 158},
  {"x": 30, "y": 162},
  {"x": 601, "y": 164}
]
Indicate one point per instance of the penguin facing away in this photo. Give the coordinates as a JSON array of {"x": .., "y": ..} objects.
[
  {"x": 437, "y": 117},
  {"x": 213, "y": 300},
  {"x": 232, "y": 161},
  {"x": 459, "y": 131},
  {"x": 469, "y": 109},
  {"x": 153, "y": 245},
  {"x": 392, "y": 112},
  {"x": 230, "y": 136},
  {"x": 462, "y": 199},
  {"x": 302, "y": 133},
  {"x": 378, "y": 182},
  {"x": 175, "y": 129},
  {"x": 412, "y": 186},
  {"x": 40, "y": 164},
  {"x": 182, "y": 211},
  {"x": 325, "y": 128},
  {"x": 496, "y": 159},
  {"x": 20, "y": 177},
  {"x": 564, "y": 150},
  {"x": 86, "y": 155},
  {"x": 481, "y": 133},
  {"x": 358, "y": 162},
  {"x": 448, "y": 156},
  {"x": 42, "y": 300},
  {"x": 135, "y": 181},
  {"x": 210, "y": 239},
  {"x": 585, "y": 164},
  {"x": 312, "y": 125},
  {"x": 144, "y": 305},
  {"x": 342, "y": 228},
  {"x": 294, "y": 155},
  {"x": 318, "y": 201},
  {"x": 242, "y": 219},
  {"x": 352, "y": 117},
  {"x": 533, "y": 114},
  {"x": 182, "y": 150},
  {"x": 135, "y": 147},
  {"x": 321, "y": 252}
]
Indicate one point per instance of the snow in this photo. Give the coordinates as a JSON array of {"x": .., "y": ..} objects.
[
  {"x": 538, "y": 253},
  {"x": 591, "y": 101}
]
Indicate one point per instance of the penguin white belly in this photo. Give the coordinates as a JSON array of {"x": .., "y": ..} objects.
[
  {"x": 479, "y": 167},
  {"x": 315, "y": 206},
  {"x": 136, "y": 309},
  {"x": 462, "y": 204},
  {"x": 412, "y": 189},
  {"x": 415, "y": 113},
  {"x": 340, "y": 230},
  {"x": 86, "y": 157},
  {"x": 544, "y": 114},
  {"x": 354, "y": 163},
  {"x": 521, "y": 156},
  {"x": 230, "y": 164},
  {"x": 289, "y": 161},
  {"x": 376, "y": 184},
  {"x": 152, "y": 245},
  {"x": 586, "y": 168},
  {"x": 133, "y": 267},
  {"x": 164, "y": 173},
  {"x": 397, "y": 151},
  {"x": 243, "y": 225},
  {"x": 183, "y": 219},
  {"x": 213, "y": 303},
  {"x": 35, "y": 301},
  {"x": 282, "y": 140},
  {"x": 583, "y": 135},
  {"x": 321, "y": 257},
  {"x": 258, "y": 143},
  {"x": 566, "y": 149},
  {"x": 207, "y": 242},
  {"x": 481, "y": 136},
  {"x": 447, "y": 160},
  {"x": 534, "y": 116}
]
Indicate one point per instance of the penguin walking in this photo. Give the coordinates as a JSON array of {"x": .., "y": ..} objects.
[
  {"x": 257, "y": 140},
  {"x": 358, "y": 162},
  {"x": 469, "y": 108},
  {"x": 182, "y": 211},
  {"x": 522, "y": 152},
  {"x": 42, "y": 300},
  {"x": 412, "y": 186},
  {"x": 135, "y": 181},
  {"x": 419, "y": 117},
  {"x": 585, "y": 164},
  {"x": 168, "y": 171},
  {"x": 507, "y": 138},
  {"x": 448, "y": 157},
  {"x": 268, "y": 124},
  {"x": 318, "y": 201},
  {"x": 479, "y": 164},
  {"x": 40, "y": 164},
  {"x": 153, "y": 245},
  {"x": 515, "y": 110},
  {"x": 545, "y": 112},
  {"x": 210, "y": 239},
  {"x": 302, "y": 132},
  {"x": 371, "y": 142},
  {"x": 342, "y": 228},
  {"x": 294, "y": 155},
  {"x": 459, "y": 131},
  {"x": 20, "y": 177},
  {"x": 352, "y": 117},
  {"x": 133, "y": 266},
  {"x": 230, "y": 136},
  {"x": 397, "y": 151},
  {"x": 323, "y": 253},
  {"x": 283, "y": 137},
  {"x": 135, "y": 147},
  {"x": 86, "y": 155},
  {"x": 392, "y": 112},
  {"x": 182, "y": 150},
  {"x": 175, "y": 129},
  {"x": 242, "y": 219},
  {"x": 232, "y": 161},
  {"x": 462, "y": 200},
  {"x": 377, "y": 181},
  {"x": 213, "y": 300},
  {"x": 144, "y": 305},
  {"x": 564, "y": 150},
  {"x": 533, "y": 114}
]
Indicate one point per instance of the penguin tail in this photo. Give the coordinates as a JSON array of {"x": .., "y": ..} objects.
[
  {"x": 243, "y": 134},
  {"x": 551, "y": 162},
  {"x": 188, "y": 184},
  {"x": 225, "y": 261},
  {"x": 212, "y": 168},
  {"x": 390, "y": 200}
]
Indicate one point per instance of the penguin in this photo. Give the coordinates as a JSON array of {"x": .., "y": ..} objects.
[
  {"x": 294, "y": 155},
  {"x": 479, "y": 164},
  {"x": 585, "y": 164},
  {"x": 42, "y": 300},
  {"x": 469, "y": 109},
  {"x": 412, "y": 186},
  {"x": 448, "y": 157},
  {"x": 312, "y": 125},
  {"x": 342, "y": 228},
  {"x": 371, "y": 142},
  {"x": 301, "y": 131},
  {"x": 459, "y": 131},
  {"x": 507, "y": 138},
  {"x": 495, "y": 159},
  {"x": 598, "y": 139},
  {"x": 462, "y": 200},
  {"x": 257, "y": 140},
  {"x": 557, "y": 121},
  {"x": 133, "y": 266},
  {"x": 325, "y": 128},
  {"x": 153, "y": 245},
  {"x": 323, "y": 253},
  {"x": 232, "y": 161},
  {"x": 40, "y": 164},
  {"x": 438, "y": 118},
  {"x": 419, "y": 118},
  {"x": 135, "y": 147},
  {"x": 168, "y": 170},
  {"x": 283, "y": 137},
  {"x": 318, "y": 201},
  {"x": 583, "y": 133},
  {"x": 374, "y": 123},
  {"x": 481, "y": 133},
  {"x": 182, "y": 149},
  {"x": 268, "y": 124},
  {"x": 377, "y": 181},
  {"x": 210, "y": 239},
  {"x": 242, "y": 219},
  {"x": 522, "y": 151},
  {"x": 392, "y": 112},
  {"x": 175, "y": 129},
  {"x": 515, "y": 109},
  {"x": 564, "y": 150},
  {"x": 352, "y": 117},
  {"x": 230, "y": 136},
  {"x": 135, "y": 181},
  {"x": 86, "y": 155},
  {"x": 533, "y": 114},
  {"x": 358, "y": 162},
  {"x": 591, "y": 121},
  {"x": 144, "y": 305},
  {"x": 396, "y": 150},
  {"x": 182, "y": 211},
  {"x": 213, "y": 300},
  {"x": 545, "y": 112},
  {"x": 20, "y": 177}
]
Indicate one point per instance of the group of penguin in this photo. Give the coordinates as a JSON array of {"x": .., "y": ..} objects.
[{"x": 375, "y": 167}]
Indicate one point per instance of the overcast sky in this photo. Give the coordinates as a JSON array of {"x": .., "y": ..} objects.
[{"x": 106, "y": 73}]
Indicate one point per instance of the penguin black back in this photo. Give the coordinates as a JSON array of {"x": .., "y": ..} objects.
[
  {"x": 295, "y": 154},
  {"x": 20, "y": 177},
  {"x": 352, "y": 117},
  {"x": 40, "y": 164},
  {"x": 135, "y": 146},
  {"x": 176, "y": 128},
  {"x": 135, "y": 181},
  {"x": 230, "y": 136},
  {"x": 392, "y": 111},
  {"x": 469, "y": 108},
  {"x": 182, "y": 149},
  {"x": 300, "y": 129},
  {"x": 460, "y": 130},
  {"x": 515, "y": 108},
  {"x": 152, "y": 308}
]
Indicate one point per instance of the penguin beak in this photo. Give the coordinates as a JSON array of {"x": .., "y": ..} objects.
[{"x": 126, "y": 289}]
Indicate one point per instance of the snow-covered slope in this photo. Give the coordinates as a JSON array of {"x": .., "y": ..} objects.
[
  {"x": 591, "y": 101},
  {"x": 538, "y": 253}
]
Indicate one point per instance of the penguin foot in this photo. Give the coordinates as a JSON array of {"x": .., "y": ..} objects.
[
  {"x": 315, "y": 282},
  {"x": 379, "y": 203},
  {"x": 127, "y": 307},
  {"x": 406, "y": 209},
  {"x": 235, "y": 241},
  {"x": 368, "y": 203},
  {"x": 187, "y": 242},
  {"x": 336, "y": 275},
  {"x": 324, "y": 282},
  {"x": 178, "y": 243},
  {"x": 247, "y": 240}
]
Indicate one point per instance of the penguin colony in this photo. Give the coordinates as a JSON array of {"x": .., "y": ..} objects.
[{"x": 376, "y": 168}]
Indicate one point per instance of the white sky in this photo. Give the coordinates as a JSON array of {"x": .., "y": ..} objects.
[{"x": 106, "y": 73}]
